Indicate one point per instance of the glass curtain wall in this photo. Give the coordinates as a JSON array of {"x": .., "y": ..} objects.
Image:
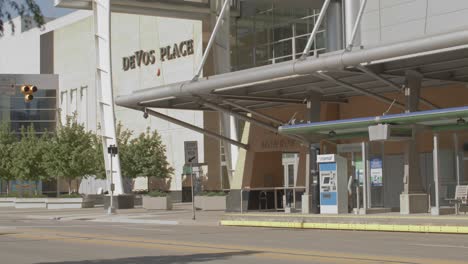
[
  {"x": 264, "y": 34},
  {"x": 40, "y": 113}
]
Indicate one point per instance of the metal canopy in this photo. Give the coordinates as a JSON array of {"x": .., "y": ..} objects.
[
  {"x": 441, "y": 59},
  {"x": 437, "y": 120}
]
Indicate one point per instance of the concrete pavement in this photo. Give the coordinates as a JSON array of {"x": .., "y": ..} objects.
[{"x": 25, "y": 239}]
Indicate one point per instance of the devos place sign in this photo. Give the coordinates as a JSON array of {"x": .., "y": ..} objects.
[{"x": 183, "y": 49}]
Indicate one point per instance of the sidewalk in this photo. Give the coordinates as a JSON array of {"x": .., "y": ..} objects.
[
  {"x": 389, "y": 222},
  {"x": 180, "y": 215}
]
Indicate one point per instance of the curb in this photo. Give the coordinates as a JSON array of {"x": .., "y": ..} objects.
[{"x": 354, "y": 227}]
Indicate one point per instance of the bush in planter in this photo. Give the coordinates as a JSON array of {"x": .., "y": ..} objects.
[
  {"x": 212, "y": 194},
  {"x": 73, "y": 195},
  {"x": 157, "y": 200},
  {"x": 157, "y": 194}
]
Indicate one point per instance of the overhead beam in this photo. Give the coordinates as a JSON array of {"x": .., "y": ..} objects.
[
  {"x": 361, "y": 90},
  {"x": 247, "y": 119},
  {"x": 317, "y": 25},
  {"x": 392, "y": 84},
  {"x": 261, "y": 99},
  {"x": 195, "y": 128},
  {"x": 253, "y": 112},
  {"x": 218, "y": 24}
]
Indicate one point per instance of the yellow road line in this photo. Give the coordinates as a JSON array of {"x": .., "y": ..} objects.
[
  {"x": 369, "y": 216},
  {"x": 217, "y": 248},
  {"x": 351, "y": 226}
]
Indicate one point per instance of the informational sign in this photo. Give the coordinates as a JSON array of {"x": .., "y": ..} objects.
[
  {"x": 376, "y": 172},
  {"x": 191, "y": 152},
  {"x": 359, "y": 172}
]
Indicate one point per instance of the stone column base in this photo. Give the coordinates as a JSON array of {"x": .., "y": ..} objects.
[
  {"x": 124, "y": 201},
  {"x": 413, "y": 203}
]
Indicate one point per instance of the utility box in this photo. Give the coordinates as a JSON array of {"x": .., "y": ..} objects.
[{"x": 333, "y": 171}]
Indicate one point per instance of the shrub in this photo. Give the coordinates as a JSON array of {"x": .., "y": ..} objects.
[
  {"x": 211, "y": 194},
  {"x": 157, "y": 194}
]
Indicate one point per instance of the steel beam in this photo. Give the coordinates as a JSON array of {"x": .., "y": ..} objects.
[
  {"x": 212, "y": 38},
  {"x": 361, "y": 90},
  {"x": 195, "y": 128},
  {"x": 356, "y": 25},
  {"x": 261, "y": 99},
  {"x": 248, "y": 119},
  {"x": 253, "y": 112},
  {"x": 392, "y": 84},
  {"x": 317, "y": 25}
]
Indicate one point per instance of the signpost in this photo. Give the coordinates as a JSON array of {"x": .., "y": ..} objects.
[
  {"x": 191, "y": 157},
  {"x": 113, "y": 151}
]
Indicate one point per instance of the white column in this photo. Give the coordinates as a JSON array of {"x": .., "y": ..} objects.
[
  {"x": 102, "y": 28},
  {"x": 435, "y": 157}
]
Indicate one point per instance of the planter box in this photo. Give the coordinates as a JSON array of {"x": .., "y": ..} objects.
[
  {"x": 211, "y": 203},
  {"x": 7, "y": 202},
  {"x": 157, "y": 203},
  {"x": 69, "y": 203},
  {"x": 25, "y": 203}
]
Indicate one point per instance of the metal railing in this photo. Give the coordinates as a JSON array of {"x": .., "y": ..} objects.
[{"x": 270, "y": 189}]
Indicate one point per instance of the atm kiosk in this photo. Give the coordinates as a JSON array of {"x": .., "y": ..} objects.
[{"x": 333, "y": 171}]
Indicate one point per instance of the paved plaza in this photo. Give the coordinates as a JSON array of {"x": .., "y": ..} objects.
[{"x": 137, "y": 236}]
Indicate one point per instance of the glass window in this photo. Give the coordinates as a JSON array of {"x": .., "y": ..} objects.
[{"x": 264, "y": 34}]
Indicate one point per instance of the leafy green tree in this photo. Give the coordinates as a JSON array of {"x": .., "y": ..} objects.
[
  {"x": 144, "y": 155},
  {"x": 28, "y": 156},
  {"x": 7, "y": 141},
  {"x": 29, "y": 10},
  {"x": 71, "y": 153}
]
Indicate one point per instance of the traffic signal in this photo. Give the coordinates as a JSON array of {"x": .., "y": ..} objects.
[{"x": 28, "y": 91}]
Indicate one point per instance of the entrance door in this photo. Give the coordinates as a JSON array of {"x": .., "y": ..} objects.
[{"x": 290, "y": 168}]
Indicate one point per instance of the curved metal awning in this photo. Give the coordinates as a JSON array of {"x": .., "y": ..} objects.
[
  {"x": 441, "y": 59},
  {"x": 435, "y": 120}
]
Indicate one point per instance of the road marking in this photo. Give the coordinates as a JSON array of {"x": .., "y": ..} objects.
[
  {"x": 441, "y": 246},
  {"x": 235, "y": 250},
  {"x": 351, "y": 226}
]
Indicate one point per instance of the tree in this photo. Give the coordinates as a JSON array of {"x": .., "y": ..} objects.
[
  {"x": 28, "y": 156},
  {"x": 7, "y": 141},
  {"x": 29, "y": 10},
  {"x": 71, "y": 153},
  {"x": 142, "y": 156}
]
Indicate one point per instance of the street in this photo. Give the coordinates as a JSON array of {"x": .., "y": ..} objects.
[{"x": 25, "y": 241}]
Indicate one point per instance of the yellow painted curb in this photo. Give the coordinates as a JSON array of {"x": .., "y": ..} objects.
[{"x": 357, "y": 227}]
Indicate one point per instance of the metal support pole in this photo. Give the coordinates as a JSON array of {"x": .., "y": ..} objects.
[
  {"x": 317, "y": 25},
  {"x": 356, "y": 25},
  {"x": 397, "y": 87},
  {"x": 360, "y": 90},
  {"x": 364, "y": 184},
  {"x": 195, "y": 128},
  {"x": 111, "y": 209},
  {"x": 212, "y": 39},
  {"x": 435, "y": 157},
  {"x": 457, "y": 156},
  {"x": 253, "y": 112},
  {"x": 193, "y": 194},
  {"x": 248, "y": 119}
]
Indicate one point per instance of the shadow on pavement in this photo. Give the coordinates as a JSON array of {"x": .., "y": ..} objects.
[{"x": 182, "y": 259}]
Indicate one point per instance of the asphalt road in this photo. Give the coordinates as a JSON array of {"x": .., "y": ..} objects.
[{"x": 26, "y": 241}]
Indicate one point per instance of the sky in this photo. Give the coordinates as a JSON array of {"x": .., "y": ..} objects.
[{"x": 48, "y": 9}]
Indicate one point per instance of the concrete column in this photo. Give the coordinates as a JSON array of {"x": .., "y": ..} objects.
[
  {"x": 311, "y": 199},
  {"x": 413, "y": 199},
  {"x": 334, "y": 26}
]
